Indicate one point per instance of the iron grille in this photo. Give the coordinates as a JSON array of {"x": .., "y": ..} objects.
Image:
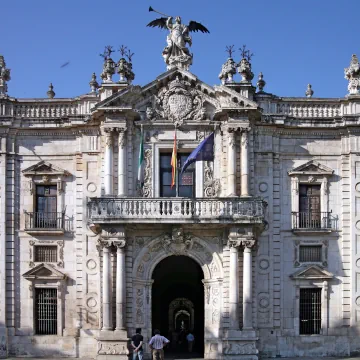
[
  {"x": 310, "y": 311},
  {"x": 45, "y": 253},
  {"x": 46, "y": 311},
  {"x": 310, "y": 253}
]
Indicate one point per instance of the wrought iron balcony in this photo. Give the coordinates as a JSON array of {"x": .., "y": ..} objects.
[
  {"x": 311, "y": 221},
  {"x": 176, "y": 210},
  {"x": 44, "y": 222}
]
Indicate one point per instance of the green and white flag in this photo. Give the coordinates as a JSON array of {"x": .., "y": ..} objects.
[{"x": 140, "y": 182}]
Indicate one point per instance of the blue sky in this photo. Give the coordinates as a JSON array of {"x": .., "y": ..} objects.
[{"x": 294, "y": 42}]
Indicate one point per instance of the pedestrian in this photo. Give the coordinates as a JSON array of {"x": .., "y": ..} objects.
[
  {"x": 136, "y": 343},
  {"x": 157, "y": 344},
  {"x": 190, "y": 340}
]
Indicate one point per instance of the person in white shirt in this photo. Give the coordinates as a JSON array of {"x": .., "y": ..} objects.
[
  {"x": 190, "y": 339},
  {"x": 157, "y": 344}
]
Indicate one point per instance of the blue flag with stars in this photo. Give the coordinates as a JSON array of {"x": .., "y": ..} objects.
[{"x": 204, "y": 152}]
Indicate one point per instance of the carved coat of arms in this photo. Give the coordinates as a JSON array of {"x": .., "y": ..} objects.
[{"x": 178, "y": 102}]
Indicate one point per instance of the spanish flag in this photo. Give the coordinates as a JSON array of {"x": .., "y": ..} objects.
[{"x": 173, "y": 162}]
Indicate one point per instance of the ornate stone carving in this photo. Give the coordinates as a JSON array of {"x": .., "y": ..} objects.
[
  {"x": 240, "y": 349},
  {"x": 124, "y": 69},
  {"x": 4, "y": 77},
  {"x": 93, "y": 84},
  {"x": 108, "y": 138},
  {"x": 50, "y": 93},
  {"x": 211, "y": 186},
  {"x": 244, "y": 69},
  {"x": 111, "y": 348},
  {"x": 122, "y": 138},
  {"x": 146, "y": 190},
  {"x": 176, "y": 54},
  {"x": 228, "y": 70},
  {"x": 150, "y": 113},
  {"x": 352, "y": 74},
  {"x": 261, "y": 82},
  {"x": 231, "y": 138},
  {"x": 179, "y": 101},
  {"x": 309, "y": 91},
  {"x": 108, "y": 70},
  {"x": 179, "y": 243}
]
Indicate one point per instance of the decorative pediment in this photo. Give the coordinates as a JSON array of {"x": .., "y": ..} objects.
[
  {"x": 44, "y": 272},
  {"x": 232, "y": 100},
  {"x": 312, "y": 167},
  {"x": 44, "y": 168},
  {"x": 312, "y": 272}
]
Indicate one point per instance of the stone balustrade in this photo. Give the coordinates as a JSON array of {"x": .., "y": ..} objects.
[
  {"x": 46, "y": 109},
  {"x": 309, "y": 110},
  {"x": 176, "y": 210},
  {"x": 301, "y": 108}
]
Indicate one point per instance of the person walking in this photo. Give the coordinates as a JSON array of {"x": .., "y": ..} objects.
[
  {"x": 190, "y": 340},
  {"x": 136, "y": 343},
  {"x": 157, "y": 344}
]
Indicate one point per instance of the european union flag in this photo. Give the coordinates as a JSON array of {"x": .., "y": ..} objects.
[{"x": 204, "y": 152}]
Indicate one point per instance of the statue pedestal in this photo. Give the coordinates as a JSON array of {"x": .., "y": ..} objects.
[{"x": 113, "y": 345}]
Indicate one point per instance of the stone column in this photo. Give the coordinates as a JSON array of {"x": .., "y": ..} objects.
[
  {"x": 247, "y": 286},
  {"x": 120, "y": 285},
  {"x": 108, "y": 162},
  {"x": 234, "y": 285},
  {"x": 231, "y": 165},
  {"x": 244, "y": 163},
  {"x": 122, "y": 163},
  {"x": 106, "y": 282}
]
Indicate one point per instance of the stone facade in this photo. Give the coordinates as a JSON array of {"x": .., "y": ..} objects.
[{"x": 243, "y": 227}]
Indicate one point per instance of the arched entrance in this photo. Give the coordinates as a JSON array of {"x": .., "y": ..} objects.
[{"x": 178, "y": 302}]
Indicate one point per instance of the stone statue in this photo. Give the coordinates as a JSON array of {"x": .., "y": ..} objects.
[{"x": 176, "y": 54}]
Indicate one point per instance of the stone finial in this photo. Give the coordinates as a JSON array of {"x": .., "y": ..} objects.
[
  {"x": 309, "y": 91},
  {"x": 244, "y": 66},
  {"x": 124, "y": 67},
  {"x": 109, "y": 65},
  {"x": 352, "y": 74},
  {"x": 93, "y": 84},
  {"x": 4, "y": 76},
  {"x": 261, "y": 82},
  {"x": 228, "y": 70},
  {"x": 50, "y": 93}
]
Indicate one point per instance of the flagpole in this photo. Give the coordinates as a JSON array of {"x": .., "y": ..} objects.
[{"x": 176, "y": 171}]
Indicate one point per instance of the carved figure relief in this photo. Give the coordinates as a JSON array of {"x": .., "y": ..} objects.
[
  {"x": 147, "y": 188},
  {"x": 179, "y": 243}
]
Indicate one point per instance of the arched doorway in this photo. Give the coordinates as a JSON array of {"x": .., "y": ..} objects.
[{"x": 178, "y": 302}]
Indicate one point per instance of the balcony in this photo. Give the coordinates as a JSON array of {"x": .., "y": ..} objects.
[
  {"x": 311, "y": 222},
  {"x": 40, "y": 223},
  {"x": 176, "y": 210}
]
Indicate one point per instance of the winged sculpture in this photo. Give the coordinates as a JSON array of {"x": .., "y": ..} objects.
[{"x": 176, "y": 53}]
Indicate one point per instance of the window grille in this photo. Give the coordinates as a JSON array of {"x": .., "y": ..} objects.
[
  {"x": 310, "y": 311},
  {"x": 310, "y": 253},
  {"x": 45, "y": 253},
  {"x": 46, "y": 311}
]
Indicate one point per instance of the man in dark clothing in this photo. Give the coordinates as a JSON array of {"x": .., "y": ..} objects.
[{"x": 136, "y": 343}]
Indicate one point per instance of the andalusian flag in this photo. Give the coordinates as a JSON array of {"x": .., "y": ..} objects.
[
  {"x": 173, "y": 163},
  {"x": 141, "y": 161}
]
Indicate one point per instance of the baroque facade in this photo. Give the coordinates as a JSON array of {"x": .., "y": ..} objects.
[{"x": 258, "y": 255}]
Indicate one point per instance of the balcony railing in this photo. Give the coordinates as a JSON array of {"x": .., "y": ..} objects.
[
  {"x": 178, "y": 210},
  {"x": 314, "y": 220},
  {"x": 51, "y": 221}
]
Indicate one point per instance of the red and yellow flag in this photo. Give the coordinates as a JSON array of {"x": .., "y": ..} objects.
[{"x": 173, "y": 162}]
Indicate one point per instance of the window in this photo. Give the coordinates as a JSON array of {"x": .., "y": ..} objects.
[
  {"x": 45, "y": 253},
  {"x": 310, "y": 311},
  {"x": 310, "y": 253},
  {"x": 185, "y": 184},
  {"x": 46, "y": 206},
  {"x": 309, "y": 206},
  {"x": 46, "y": 311}
]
